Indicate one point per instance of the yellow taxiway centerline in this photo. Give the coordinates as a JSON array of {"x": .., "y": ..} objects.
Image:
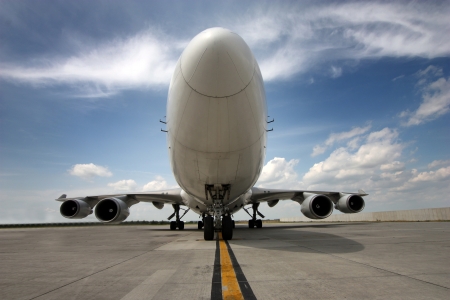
[{"x": 230, "y": 285}]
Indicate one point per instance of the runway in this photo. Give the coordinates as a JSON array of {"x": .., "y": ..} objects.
[{"x": 401, "y": 260}]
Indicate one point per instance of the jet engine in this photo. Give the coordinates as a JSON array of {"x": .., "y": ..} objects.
[
  {"x": 350, "y": 204},
  {"x": 317, "y": 206},
  {"x": 111, "y": 210},
  {"x": 75, "y": 209}
]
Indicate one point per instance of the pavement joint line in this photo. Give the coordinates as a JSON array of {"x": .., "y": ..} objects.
[
  {"x": 378, "y": 268},
  {"x": 79, "y": 279}
]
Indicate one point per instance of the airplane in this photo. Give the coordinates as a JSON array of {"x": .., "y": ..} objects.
[{"x": 216, "y": 130}]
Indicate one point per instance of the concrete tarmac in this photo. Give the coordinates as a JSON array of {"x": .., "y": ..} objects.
[{"x": 280, "y": 261}]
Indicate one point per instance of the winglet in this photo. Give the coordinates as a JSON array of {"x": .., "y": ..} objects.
[
  {"x": 63, "y": 196},
  {"x": 362, "y": 192}
]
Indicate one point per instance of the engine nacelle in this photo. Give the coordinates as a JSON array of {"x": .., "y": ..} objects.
[
  {"x": 272, "y": 203},
  {"x": 112, "y": 210},
  {"x": 158, "y": 205},
  {"x": 75, "y": 209},
  {"x": 350, "y": 204},
  {"x": 317, "y": 206}
]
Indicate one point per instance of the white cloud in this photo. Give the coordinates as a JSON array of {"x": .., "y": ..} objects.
[
  {"x": 339, "y": 137},
  {"x": 144, "y": 60},
  {"x": 354, "y": 143},
  {"x": 436, "y": 102},
  {"x": 317, "y": 150},
  {"x": 287, "y": 39},
  {"x": 430, "y": 71},
  {"x": 279, "y": 172},
  {"x": 343, "y": 164},
  {"x": 336, "y": 72},
  {"x": 398, "y": 77},
  {"x": 290, "y": 39},
  {"x": 393, "y": 166},
  {"x": 436, "y": 163},
  {"x": 439, "y": 174},
  {"x": 123, "y": 185},
  {"x": 158, "y": 184},
  {"x": 87, "y": 171},
  {"x": 377, "y": 167}
]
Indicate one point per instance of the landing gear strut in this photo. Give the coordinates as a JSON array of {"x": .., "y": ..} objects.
[
  {"x": 254, "y": 222},
  {"x": 177, "y": 223},
  {"x": 221, "y": 222}
]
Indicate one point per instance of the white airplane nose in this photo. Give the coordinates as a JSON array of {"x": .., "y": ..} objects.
[{"x": 217, "y": 63}]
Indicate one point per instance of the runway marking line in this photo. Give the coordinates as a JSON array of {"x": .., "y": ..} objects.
[{"x": 230, "y": 285}]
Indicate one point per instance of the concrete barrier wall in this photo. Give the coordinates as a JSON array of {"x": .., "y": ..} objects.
[{"x": 428, "y": 214}]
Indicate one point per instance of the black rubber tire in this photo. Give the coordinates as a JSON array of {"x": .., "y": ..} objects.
[
  {"x": 200, "y": 224},
  {"x": 234, "y": 224},
  {"x": 181, "y": 225},
  {"x": 258, "y": 223},
  {"x": 251, "y": 224},
  {"x": 227, "y": 228},
  {"x": 173, "y": 225},
  {"x": 208, "y": 231}
]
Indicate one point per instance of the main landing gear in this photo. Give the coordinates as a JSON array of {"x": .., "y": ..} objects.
[
  {"x": 177, "y": 223},
  {"x": 254, "y": 222},
  {"x": 218, "y": 218}
]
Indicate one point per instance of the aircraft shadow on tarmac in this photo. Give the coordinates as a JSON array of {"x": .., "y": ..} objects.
[{"x": 291, "y": 238}]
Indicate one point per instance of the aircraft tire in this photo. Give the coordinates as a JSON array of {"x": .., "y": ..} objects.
[
  {"x": 234, "y": 224},
  {"x": 181, "y": 225},
  {"x": 208, "y": 231},
  {"x": 200, "y": 224},
  {"x": 258, "y": 223},
  {"x": 173, "y": 225},
  {"x": 227, "y": 228},
  {"x": 251, "y": 224}
]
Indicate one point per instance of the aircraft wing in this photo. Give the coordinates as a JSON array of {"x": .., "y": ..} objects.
[
  {"x": 264, "y": 195},
  {"x": 172, "y": 196}
]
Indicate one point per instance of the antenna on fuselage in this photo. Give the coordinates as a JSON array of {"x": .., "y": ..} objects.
[{"x": 164, "y": 122}]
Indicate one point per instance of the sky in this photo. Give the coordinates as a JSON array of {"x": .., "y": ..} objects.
[{"x": 359, "y": 90}]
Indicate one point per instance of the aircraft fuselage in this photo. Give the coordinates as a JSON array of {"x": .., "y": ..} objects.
[{"x": 216, "y": 118}]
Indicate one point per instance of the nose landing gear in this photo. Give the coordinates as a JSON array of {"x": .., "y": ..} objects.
[{"x": 221, "y": 222}]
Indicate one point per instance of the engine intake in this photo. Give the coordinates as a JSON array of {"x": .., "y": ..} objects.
[
  {"x": 317, "y": 206},
  {"x": 111, "y": 210},
  {"x": 75, "y": 209},
  {"x": 350, "y": 204}
]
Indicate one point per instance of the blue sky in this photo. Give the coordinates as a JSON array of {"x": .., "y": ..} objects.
[{"x": 360, "y": 93}]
